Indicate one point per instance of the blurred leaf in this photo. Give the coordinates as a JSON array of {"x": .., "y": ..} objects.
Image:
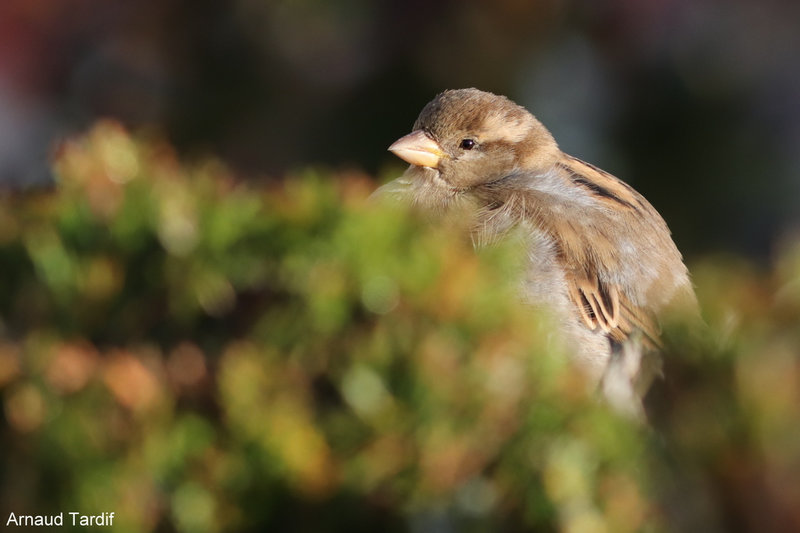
[{"x": 196, "y": 354}]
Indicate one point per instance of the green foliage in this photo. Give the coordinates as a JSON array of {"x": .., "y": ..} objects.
[{"x": 199, "y": 355}]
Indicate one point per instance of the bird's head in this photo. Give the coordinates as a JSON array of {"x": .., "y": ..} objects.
[{"x": 471, "y": 137}]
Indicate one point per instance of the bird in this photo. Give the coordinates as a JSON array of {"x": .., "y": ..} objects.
[{"x": 599, "y": 257}]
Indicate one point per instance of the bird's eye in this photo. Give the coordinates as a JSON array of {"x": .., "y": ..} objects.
[{"x": 467, "y": 144}]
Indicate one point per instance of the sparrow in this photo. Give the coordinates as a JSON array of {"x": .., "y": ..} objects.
[{"x": 599, "y": 257}]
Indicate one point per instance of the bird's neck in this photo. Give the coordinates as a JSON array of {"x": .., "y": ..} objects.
[{"x": 548, "y": 203}]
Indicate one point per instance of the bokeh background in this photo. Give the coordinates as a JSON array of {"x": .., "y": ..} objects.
[
  {"x": 695, "y": 102},
  {"x": 205, "y": 327}
]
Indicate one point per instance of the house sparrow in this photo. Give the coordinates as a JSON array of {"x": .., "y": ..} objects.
[{"x": 600, "y": 257}]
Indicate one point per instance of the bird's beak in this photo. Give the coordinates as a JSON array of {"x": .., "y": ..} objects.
[{"x": 418, "y": 149}]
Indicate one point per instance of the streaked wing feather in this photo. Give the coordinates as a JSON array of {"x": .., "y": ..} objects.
[{"x": 603, "y": 306}]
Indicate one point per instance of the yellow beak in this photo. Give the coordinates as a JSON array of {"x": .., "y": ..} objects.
[{"x": 418, "y": 149}]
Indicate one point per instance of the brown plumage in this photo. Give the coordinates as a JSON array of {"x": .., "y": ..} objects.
[{"x": 600, "y": 256}]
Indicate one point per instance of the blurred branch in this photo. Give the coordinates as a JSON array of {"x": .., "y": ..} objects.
[{"x": 197, "y": 354}]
